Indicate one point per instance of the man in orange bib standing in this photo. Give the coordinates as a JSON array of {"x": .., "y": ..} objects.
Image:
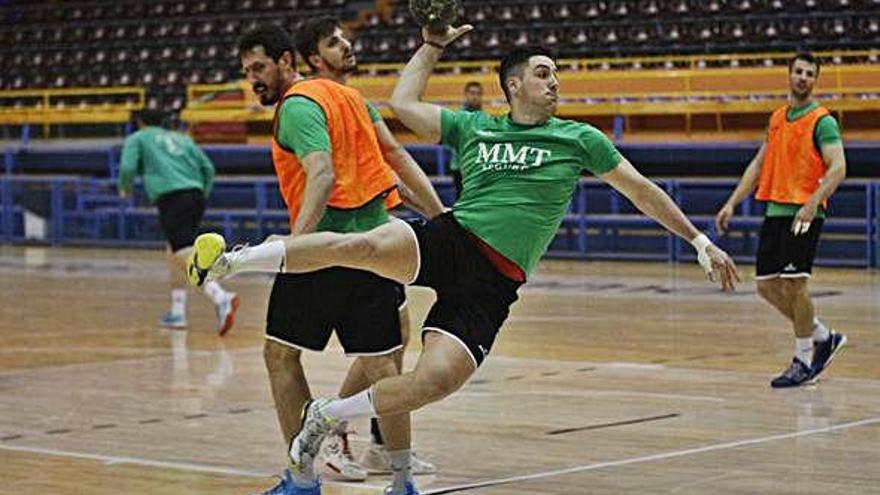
[
  {"x": 795, "y": 171},
  {"x": 326, "y": 49},
  {"x": 333, "y": 178}
]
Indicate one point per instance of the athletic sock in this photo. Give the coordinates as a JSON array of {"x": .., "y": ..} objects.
[
  {"x": 402, "y": 470},
  {"x": 266, "y": 257},
  {"x": 356, "y": 406},
  {"x": 821, "y": 333},
  {"x": 178, "y": 302},
  {"x": 803, "y": 350},
  {"x": 214, "y": 292}
]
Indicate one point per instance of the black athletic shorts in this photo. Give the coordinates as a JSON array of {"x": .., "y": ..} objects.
[
  {"x": 305, "y": 308},
  {"x": 179, "y": 215},
  {"x": 783, "y": 254},
  {"x": 473, "y": 297}
]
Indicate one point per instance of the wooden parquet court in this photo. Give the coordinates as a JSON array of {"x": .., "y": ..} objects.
[{"x": 609, "y": 378}]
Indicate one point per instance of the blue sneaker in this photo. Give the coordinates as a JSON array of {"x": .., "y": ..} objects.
[
  {"x": 226, "y": 313},
  {"x": 824, "y": 352},
  {"x": 170, "y": 320},
  {"x": 797, "y": 373},
  {"x": 288, "y": 487},
  {"x": 410, "y": 489}
]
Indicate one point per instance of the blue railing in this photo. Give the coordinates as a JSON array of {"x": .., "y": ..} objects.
[{"x": 600, "y": 224}]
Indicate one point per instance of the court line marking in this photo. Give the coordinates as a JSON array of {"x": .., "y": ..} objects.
[
  {"x": 111, "y": 460},
  {"x": 180, "y": 466},
  {"x": 654, "y": 457}
]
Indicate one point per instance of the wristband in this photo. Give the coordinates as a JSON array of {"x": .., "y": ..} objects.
[
  {"x": 435, "y": 45},
  {"x": 701, "y": 242}
]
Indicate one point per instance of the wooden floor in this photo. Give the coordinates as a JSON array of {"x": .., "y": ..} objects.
[{"x": 609, "y": 378}]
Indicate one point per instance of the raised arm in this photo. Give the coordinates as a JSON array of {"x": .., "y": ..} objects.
[
  {"x": 422, "y": 118},
  {"x": 652, "y": 201},
  {"x": 746, "y": 186},
  {"x": 417, "y": 191}
]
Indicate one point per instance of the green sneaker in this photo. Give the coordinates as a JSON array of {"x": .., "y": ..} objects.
[{"x": 207, "y": 251}]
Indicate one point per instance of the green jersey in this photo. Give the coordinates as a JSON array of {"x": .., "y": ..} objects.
[
  {"x": 168, "y": 161},
  {"x": 453, "y": 160},
  {"x": 827, "y": 132},
  {"x": 518, "y": 180},
  {"x": 309, "y": 135}
]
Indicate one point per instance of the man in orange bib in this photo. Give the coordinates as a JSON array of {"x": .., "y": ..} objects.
[
  {"x": 327, "y": 51},
  {"x": 333, "y": 178},
  {"x": 795, "y": 171}
]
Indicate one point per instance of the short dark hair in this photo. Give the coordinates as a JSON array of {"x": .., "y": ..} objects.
[
  {"x": 273, "y": 38},
  {"x": 515, "y": 61},
  {"x": 310, "y": 34},
  {"x": 151, "y": 116},
  {"x": 473, "y": 84},
  {"x": 806, "y": 57}
]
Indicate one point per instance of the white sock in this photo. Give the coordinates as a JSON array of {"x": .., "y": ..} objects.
[
  {"x": 402, "y": 470},
  {"x": 178, "y": 302},
  {"x": 821, "y": 333},
  {"x": 803, "y": 350},
  {"x": 214, "y": 292},
  {"x": 266, "y": 257},
  {"x": 357, "y": 406}
]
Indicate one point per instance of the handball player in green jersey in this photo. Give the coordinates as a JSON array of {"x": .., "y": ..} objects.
[{"x": 519, "y": 172}]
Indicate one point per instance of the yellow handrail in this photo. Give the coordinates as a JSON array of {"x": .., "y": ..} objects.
[{"x": 50, "y": 111}]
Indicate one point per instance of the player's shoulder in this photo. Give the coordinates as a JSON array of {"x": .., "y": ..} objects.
[{"x": 576, "y": 128}]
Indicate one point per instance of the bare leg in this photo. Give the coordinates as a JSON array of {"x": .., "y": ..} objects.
[
  {"x": 774, "y": 291},
  {"x": 443, "y": 367},
  {"x": 289, "y": 387},
  {"x": 177, "y": 267},
  {"x": 395, "y": 427},
  {"x": 802, "y": 306},
  {"x": 389, "y": 250}
]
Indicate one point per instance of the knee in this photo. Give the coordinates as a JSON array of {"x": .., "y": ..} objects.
[
  {"x": 279, "y": 358},
  {"x": 438, "y": 382},
  {"x": 796, "y": 287}
]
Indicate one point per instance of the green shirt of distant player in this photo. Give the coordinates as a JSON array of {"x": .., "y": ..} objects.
[
  {"x": 518, "y": 180},
  {"x": 168, "y": 161}
]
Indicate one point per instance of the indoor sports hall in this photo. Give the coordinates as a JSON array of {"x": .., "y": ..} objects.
[{"x": 620, "y": 369}]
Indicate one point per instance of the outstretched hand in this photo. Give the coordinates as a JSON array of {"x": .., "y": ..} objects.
[
  {"x": 719, "y": 266},
  {"x": 451, "y": 34}
]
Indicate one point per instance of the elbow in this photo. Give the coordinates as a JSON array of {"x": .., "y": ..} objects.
[{"x": 398, "y": 105}]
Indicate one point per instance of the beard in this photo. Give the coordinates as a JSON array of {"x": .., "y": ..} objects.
[
  {"x": 802, "y": 94},
  {"x": 344, "y": 66},
  {"x": 264, "y": 93}
]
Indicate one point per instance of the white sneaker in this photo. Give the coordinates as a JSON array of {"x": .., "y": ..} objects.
[
  {"x": 377, "y": 461},
  {"x": 338, "y": 459},
  {"x": 226, "y": 313}
]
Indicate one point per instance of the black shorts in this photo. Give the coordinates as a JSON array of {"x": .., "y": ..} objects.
[
  {"x": 783, "y": 254},
  {"x": 179, "y": 215},
  {"x": 473, "y": 297},
  {"x": 305, "y": 308}
]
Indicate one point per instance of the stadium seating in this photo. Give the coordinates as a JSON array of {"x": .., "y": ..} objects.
[{"x": 168, "y": 44}]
